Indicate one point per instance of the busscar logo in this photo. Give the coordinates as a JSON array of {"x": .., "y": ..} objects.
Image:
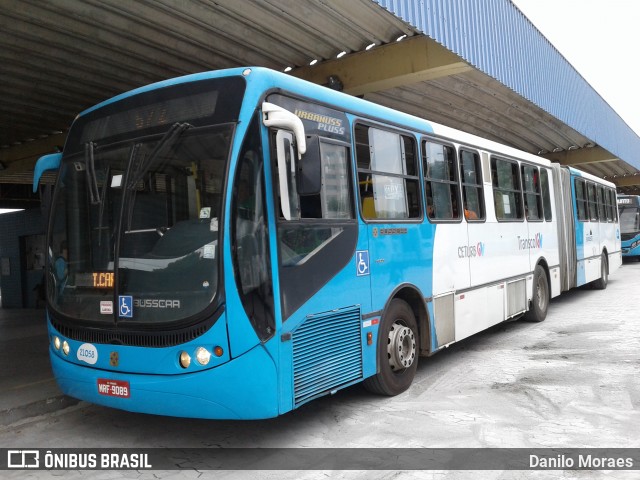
[
  {"x": 156, "y": 303},
  {"x": 23, "y": 459}
]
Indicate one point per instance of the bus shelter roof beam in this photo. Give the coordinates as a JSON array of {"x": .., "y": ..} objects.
[{"x": 412, "y": 60}]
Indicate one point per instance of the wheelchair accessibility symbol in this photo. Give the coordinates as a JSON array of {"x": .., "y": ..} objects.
[
  {"x": 362, "y": 263},
  {"x": 125, "y": 306}
]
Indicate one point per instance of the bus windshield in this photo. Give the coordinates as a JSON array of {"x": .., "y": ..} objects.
[
  {"x": 629, "y": 219},
  {"x": 135, "y": 220}
]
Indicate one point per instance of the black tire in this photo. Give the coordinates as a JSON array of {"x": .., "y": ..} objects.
[
  {"x": 602, "y": 282},
  {"x": 540, "y": 299},
  {"x": 397, "y": 350}
]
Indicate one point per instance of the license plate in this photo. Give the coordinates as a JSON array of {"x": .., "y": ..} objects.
[{"x": 114, "y": 388}]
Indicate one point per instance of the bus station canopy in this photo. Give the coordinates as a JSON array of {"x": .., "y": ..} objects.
[{"x": 422, "y": 57}]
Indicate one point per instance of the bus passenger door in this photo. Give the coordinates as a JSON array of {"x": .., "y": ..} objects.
[{"x": 390, "y": 203}]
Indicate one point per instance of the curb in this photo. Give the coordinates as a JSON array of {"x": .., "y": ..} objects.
[{"x": 40, "y": 407}]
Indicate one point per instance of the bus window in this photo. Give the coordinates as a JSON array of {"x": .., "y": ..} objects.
[
  {"x": 593, "y": 201},
  {"x": 441, "y": 181},
  {"x": 387, "y": 174},
  {"x": 334, "y": 196},
  {"x": 602, "y": 206},
  {"x": 472, "y": 194},
  {"x": 546, "y": 195},
  {"x": 612, "y": 206},
  {"x": 507, "y": 193},
  {"x": 532, "y": 195},
  {"x": 581, "y": 200},
  {"x": 250, "y": 237}
]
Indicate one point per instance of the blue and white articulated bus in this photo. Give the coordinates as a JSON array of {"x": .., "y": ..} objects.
[
  {"x": 234, "y": 244},
  {"x": 629, "y": 207}
]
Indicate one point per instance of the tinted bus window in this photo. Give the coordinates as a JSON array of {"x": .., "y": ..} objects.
[
  {"x": 546, "y": 195},
  {"x": 581, "y": 200},
  {"x": 532, "y": 195},
  {"x": 593, "y": 202},
  {"x": 602, "y": 205},
  {"x": 472, "y": 194},
  {"x": 387, "y": 174},
  {"x": 612, "y": 205},
  {"x": 441, "y": 181},
  {"x": 507, "y": 193}
]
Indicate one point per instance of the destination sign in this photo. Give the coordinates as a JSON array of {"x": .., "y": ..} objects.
[{"x": 95, "y": 280}]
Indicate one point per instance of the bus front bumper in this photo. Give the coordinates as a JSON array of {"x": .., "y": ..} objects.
[{"x": 244, "y": 388}]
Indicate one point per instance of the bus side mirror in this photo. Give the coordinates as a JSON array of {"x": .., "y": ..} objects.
[
  {"x": 285, "y": 152},
  {"x": 310, "y": 168},
  {"x": 45, "y": 163},
  {"x": 277, "y": 117}
]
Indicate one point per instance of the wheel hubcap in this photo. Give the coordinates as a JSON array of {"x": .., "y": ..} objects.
[
  {"x": 401, "y": 347},
  {"x": 542, "y": 299}
]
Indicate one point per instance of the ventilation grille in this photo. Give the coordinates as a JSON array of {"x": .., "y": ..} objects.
[
  {"x": 327, "y": 353},
  {"x": 516, "y": 298},
  {"x": 153, "y": 339}
]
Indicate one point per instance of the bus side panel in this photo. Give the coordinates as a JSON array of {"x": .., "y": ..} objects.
[
  {"x": 451, "y": 254},
  {"x": 581, "y": 231},
  {"x": 323, "y": 346},
  {"x": 549, "y": 246},
  {"x": 479, "y": 309},
  {"x": 610, "y": 242}
]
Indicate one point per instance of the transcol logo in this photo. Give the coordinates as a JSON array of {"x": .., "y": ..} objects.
[{"x": 534, "y": 243}]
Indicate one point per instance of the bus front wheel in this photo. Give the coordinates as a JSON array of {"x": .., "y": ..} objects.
[
  {"x": 397, "y": 350},
  {"x": 540, "y": 298}
]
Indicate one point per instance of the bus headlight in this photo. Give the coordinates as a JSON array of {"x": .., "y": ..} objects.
[
  {"x": 65, "y": 347},
  {"x": 185, "y": 360},
  {"x": 203, "y": 355},
  {"x": 56, "y": 343}
]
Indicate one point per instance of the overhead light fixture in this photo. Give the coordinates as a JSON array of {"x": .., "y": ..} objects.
[
  {"x": 400, "y": 38},
  {"x": 313, "y": 62},
  {"x": 288, "y": 69},
  {"x": 370, "y": 46},
  {"x": 573, "y": 147},
  {"x": 341, "y": 54},
  {"x": 557, "y": 149}
]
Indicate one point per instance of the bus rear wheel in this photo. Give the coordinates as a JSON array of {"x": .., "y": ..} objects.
[
  {"x": 397, "y": 350},
  {"x": 540, "y": 298},
  {"x": 602, "y": 282}
]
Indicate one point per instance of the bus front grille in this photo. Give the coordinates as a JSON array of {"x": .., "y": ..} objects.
[{"x": 327, "y": 353}]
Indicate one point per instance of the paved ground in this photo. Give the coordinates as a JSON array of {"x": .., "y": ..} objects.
[{"x": 571, "y": 381}]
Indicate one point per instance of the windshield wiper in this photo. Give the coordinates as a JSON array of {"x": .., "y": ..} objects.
[
  {"x": 90, "y": 168},
  {"x": 166, "y": 142}
]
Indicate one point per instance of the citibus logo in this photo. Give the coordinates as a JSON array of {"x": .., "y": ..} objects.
[
  {"x": 534, "y": 243},
  {"x": 470, "y": 251}
]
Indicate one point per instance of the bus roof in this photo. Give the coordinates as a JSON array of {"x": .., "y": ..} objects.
[{"x": 265, "y": 79}]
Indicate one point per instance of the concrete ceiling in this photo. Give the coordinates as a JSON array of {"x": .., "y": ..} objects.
[{"x": 59, "y": 57}]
